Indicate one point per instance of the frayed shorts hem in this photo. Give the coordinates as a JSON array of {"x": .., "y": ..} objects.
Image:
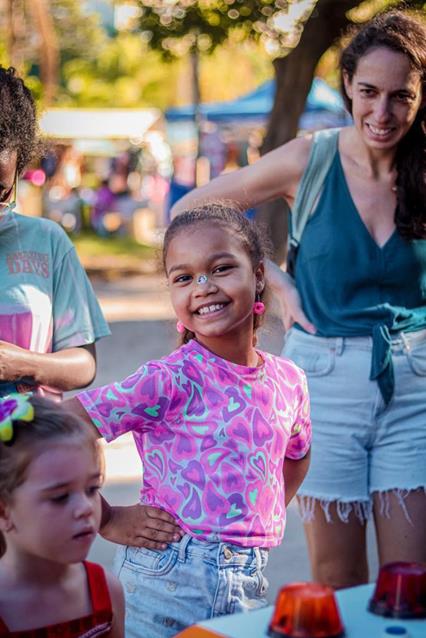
[
  {"x": 360, "y": 445},
  {"x": 361, "y": 507}
]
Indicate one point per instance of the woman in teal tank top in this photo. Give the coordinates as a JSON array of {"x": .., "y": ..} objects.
[{"x": 357, "y": 305}]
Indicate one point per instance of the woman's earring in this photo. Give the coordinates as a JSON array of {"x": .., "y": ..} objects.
[
  {"x": 180, "y": 327},
  {"x": 258, "y": 306}
]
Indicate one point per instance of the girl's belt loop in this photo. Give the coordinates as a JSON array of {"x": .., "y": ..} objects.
[
  {"x": 339, "y": 344},
  {"x": 183, "y": 544},
  {"x": 258, "y": 557}
]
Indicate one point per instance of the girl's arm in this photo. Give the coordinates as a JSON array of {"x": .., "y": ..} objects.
[
  {"x": 64, "y": 370},
  {"x": 294, "y": 472},
  {"x": 276, "y": 174},
  {"x": 136, "y": 525},
  {"x": 117, "y": 603}
]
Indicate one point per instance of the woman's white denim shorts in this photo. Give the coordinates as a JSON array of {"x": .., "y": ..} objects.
[
  {"x": 359, "y": 445},
  {"x": 188, "y": 582}
]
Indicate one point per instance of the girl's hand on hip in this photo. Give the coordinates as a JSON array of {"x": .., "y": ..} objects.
[{"x": 141, "y": 526}]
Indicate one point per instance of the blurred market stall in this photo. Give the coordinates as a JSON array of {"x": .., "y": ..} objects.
[
  {"x": 107, "y": 169},
  {"x": 231, "y": 131}
]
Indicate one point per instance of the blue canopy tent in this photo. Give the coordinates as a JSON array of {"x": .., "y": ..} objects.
[
  {"x": 257, "y": 104},
  {"x": 324, "y": 109}
]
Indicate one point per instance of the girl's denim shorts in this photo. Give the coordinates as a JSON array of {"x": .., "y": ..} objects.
[
  {"x": 188, "y": 582},
  {"x": 359, "y": 445}
]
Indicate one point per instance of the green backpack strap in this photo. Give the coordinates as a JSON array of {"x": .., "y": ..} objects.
[{"x": 323, "y": 150}]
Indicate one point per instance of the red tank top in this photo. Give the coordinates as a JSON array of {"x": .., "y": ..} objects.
[{"x": 98, "y": 623}]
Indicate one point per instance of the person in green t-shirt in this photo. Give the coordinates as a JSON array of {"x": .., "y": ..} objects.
[{"x": 49, "y": 315}]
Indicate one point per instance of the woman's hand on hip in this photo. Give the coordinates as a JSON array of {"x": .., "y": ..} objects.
[
  {"x": 141, "y": 526},
  {"x": 284, "y": 288},
  {"x": 292, "y": 312}
]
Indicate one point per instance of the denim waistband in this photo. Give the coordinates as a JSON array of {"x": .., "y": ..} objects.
[
  {"x": 227, "y": 554},
  {"x": 400, "y": 340},
  {"x": 381, "y": 343}
]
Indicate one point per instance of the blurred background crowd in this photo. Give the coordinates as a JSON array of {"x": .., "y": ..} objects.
[{"x": 142, "y": 100}]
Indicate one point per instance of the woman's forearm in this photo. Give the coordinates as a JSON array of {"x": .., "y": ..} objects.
[
  {"x": 278, "y": 280},
  {"x": 227, "y": 189},
  {"x": 284, "y": 288},
  {"x": 274, "y": 175},
  {"x": 64, "y": 370}
]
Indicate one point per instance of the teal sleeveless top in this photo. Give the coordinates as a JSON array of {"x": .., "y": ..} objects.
[{"x": 349, "y": 286}]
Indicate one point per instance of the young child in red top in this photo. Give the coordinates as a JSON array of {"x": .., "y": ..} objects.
[{"x": 50, "y": 510}]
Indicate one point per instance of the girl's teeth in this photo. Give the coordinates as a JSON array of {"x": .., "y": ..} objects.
[{"x": 206, "y": 309}]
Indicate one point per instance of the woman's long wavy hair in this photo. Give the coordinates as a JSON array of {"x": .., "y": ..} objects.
[
  {"x": 232, "y": 221},
  {"x": 404, "y": 33}
]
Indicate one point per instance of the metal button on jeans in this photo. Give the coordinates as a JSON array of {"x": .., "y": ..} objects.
[{"x": 227, "y": 553}]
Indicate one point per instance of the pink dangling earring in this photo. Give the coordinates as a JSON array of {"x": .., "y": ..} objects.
[
  {"x": 258, "y": 306},
  {"x": 180, "y": 327}
]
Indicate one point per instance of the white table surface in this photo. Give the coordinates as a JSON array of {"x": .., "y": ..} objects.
[{"x": 352, "y": 603}]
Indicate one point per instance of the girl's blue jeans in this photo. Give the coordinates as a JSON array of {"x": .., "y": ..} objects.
[{"x": 187, "y": 583}]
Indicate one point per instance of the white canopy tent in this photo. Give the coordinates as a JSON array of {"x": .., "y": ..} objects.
[{"x": 91, "y": 124}]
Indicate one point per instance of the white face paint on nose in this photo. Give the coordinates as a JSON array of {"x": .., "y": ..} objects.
[{"x": 202, "y": 279}]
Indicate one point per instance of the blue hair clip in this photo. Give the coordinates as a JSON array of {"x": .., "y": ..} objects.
[{"x": 14, "y": 407}]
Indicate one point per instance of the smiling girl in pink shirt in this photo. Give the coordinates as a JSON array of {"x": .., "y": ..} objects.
[{"x": 222, "y": 428}]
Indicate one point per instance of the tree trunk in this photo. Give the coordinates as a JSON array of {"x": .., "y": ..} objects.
[
  {"x": 196, "y": 101},
  {"x": 293, "y": 76},
  {"x": 49, "y": 50},
  {"x": 15, "y": 30}
]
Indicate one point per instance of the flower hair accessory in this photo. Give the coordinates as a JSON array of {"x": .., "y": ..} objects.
[{"x": 14, "y": 407}]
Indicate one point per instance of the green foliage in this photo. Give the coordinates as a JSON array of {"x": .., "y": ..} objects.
[
  {"x": 102, "y": 71},
  {"x": 79, "y": 33},
  {"x": 218, "y": 79},
  {"x": 123, "y": 74},
  {"x": 124, "y": 71},
  {"x": 128, "y": 70},
  {"x": 369, "y": 8},
  {"x": 176, "y": 27},
  {"x": 96, "y": 70}
]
